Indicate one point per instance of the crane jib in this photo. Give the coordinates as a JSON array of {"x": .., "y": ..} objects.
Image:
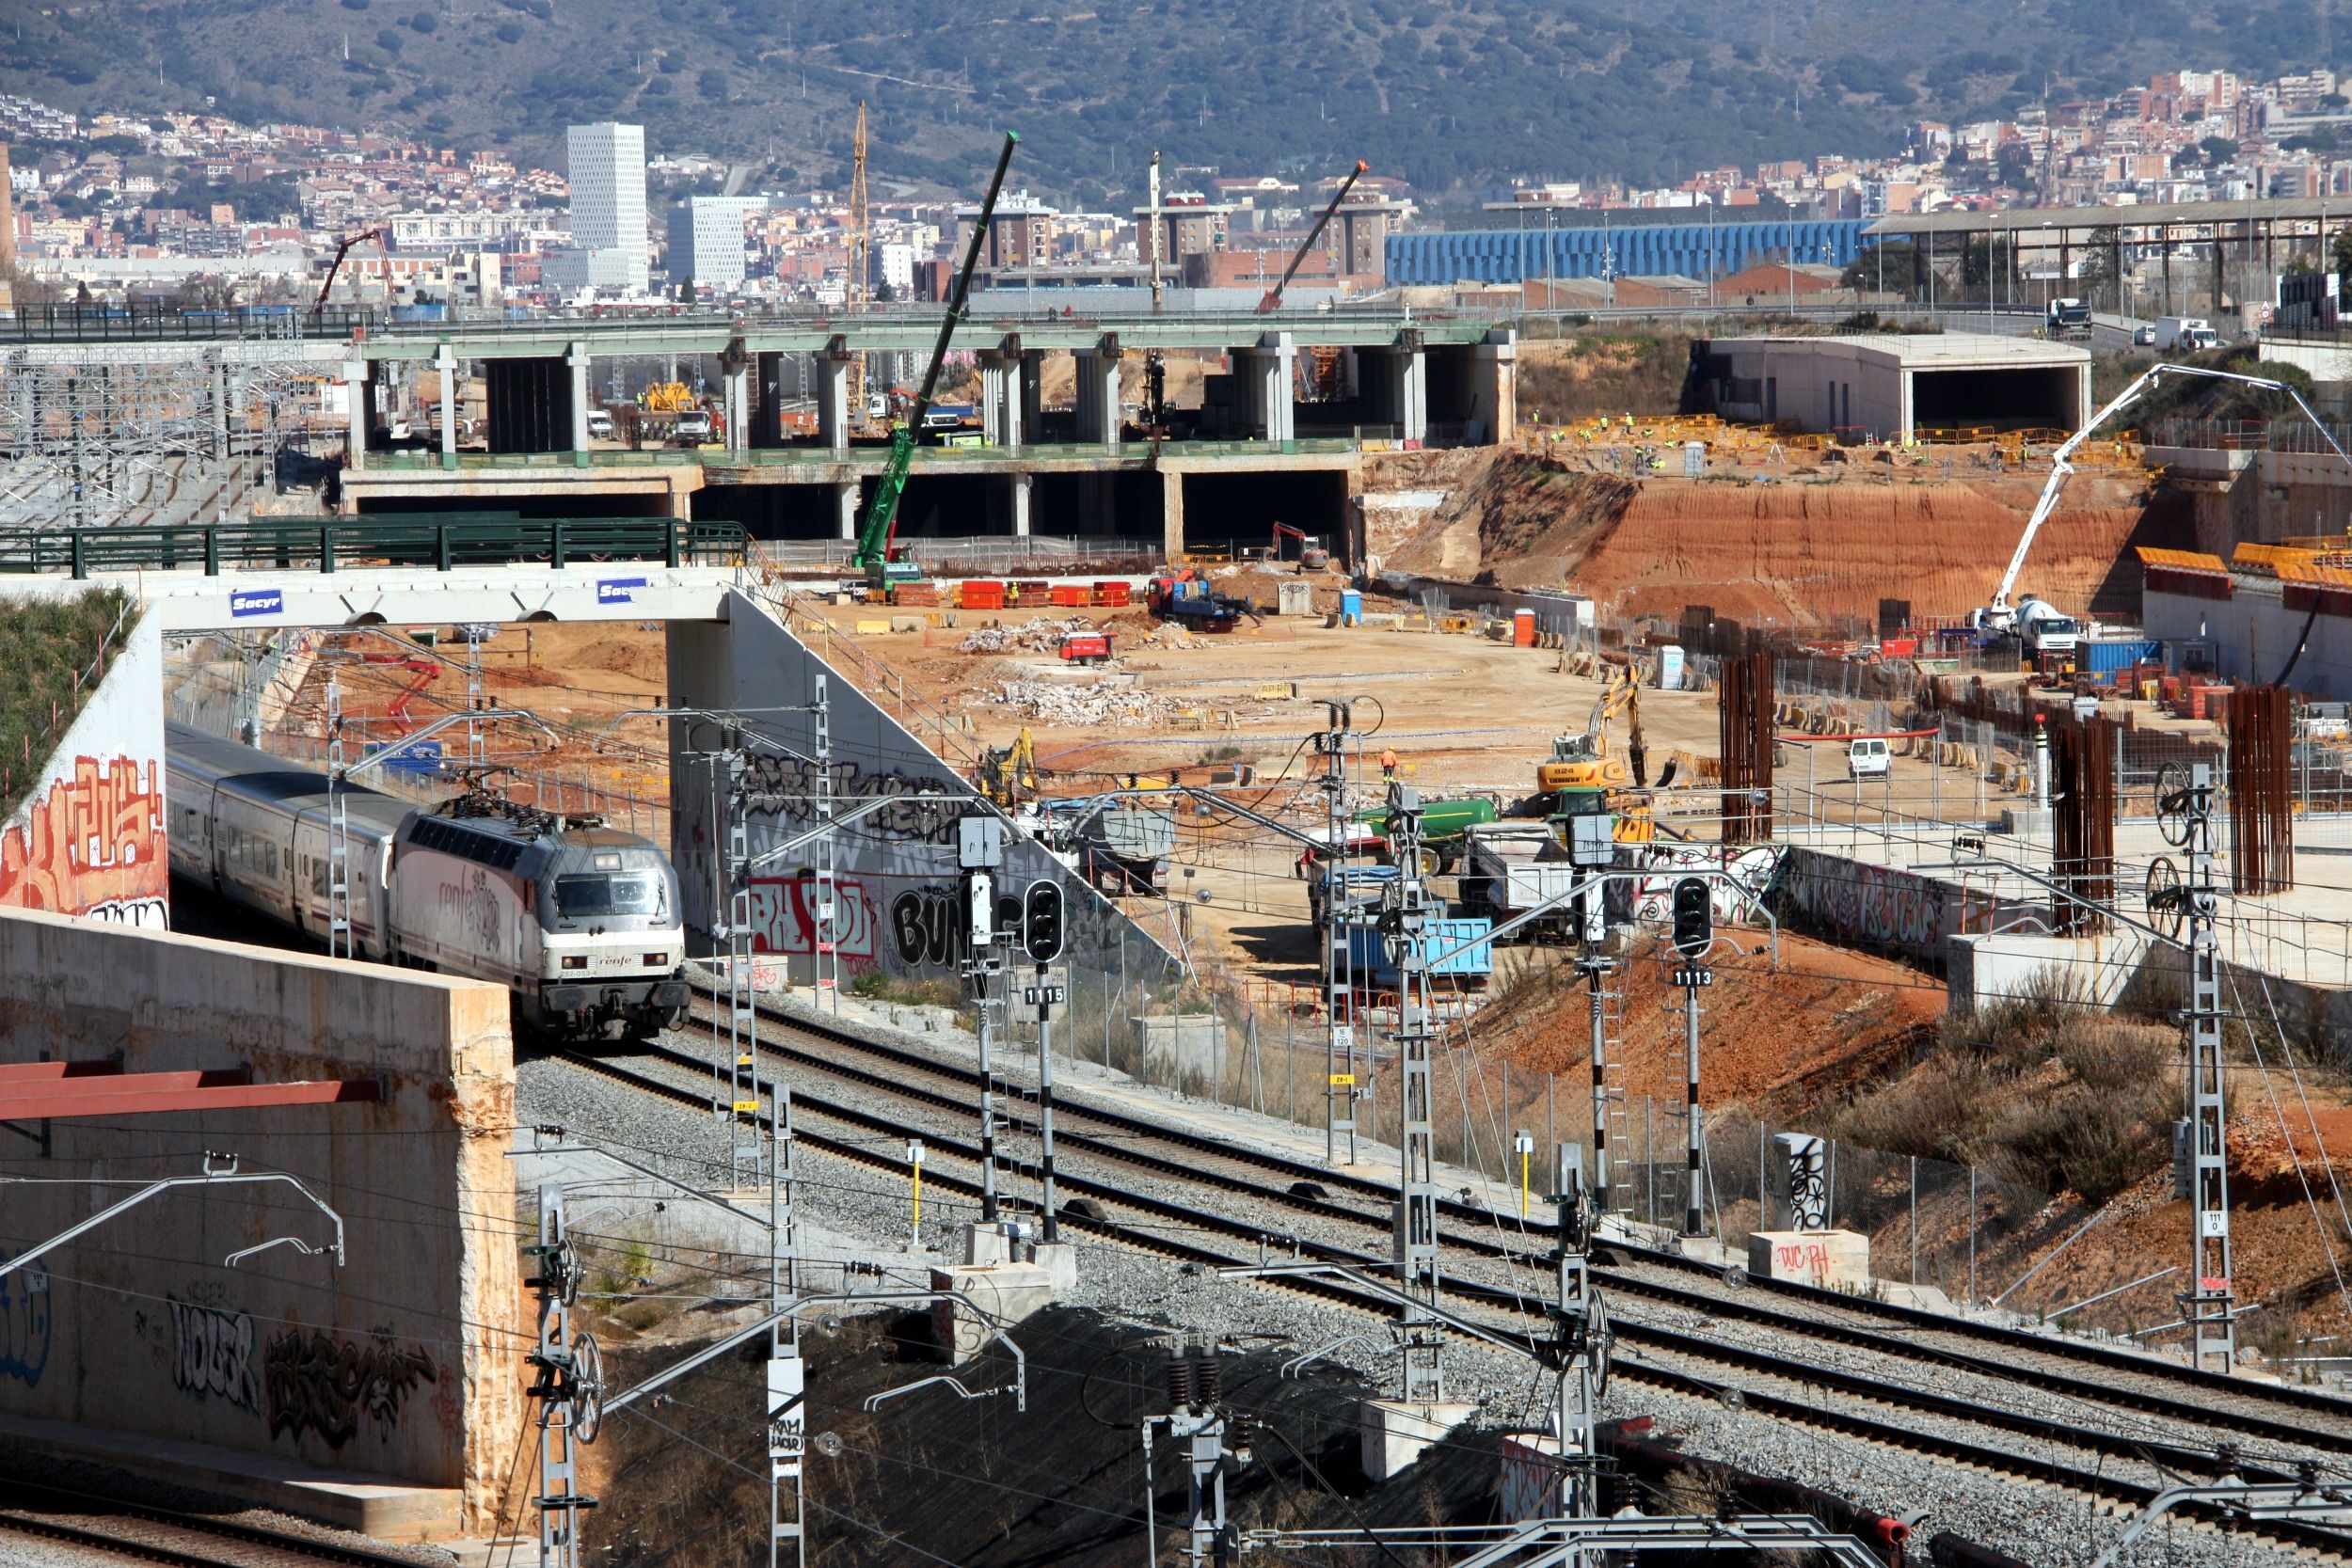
[{"x": 873, "y": 542}]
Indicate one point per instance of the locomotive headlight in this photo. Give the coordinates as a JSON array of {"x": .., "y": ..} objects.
[
  {"x": 657, "y": 960},
  {"x": 575, "y": 960}
]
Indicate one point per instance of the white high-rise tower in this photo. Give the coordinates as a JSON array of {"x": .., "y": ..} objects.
[{"x": 609, "y": 248}]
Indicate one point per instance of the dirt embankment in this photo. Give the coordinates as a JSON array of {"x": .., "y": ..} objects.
[{"x": 1798, "y": 552}]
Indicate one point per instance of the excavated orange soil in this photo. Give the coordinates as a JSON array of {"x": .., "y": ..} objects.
[
  {"x": 1801, "y": 550},
  {"x": 1783, "y": 1042}
]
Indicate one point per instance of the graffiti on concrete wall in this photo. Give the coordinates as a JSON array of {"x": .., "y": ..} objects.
[
  {"x": 929, "y": 924},
  {"x": 1878, "y": 904},
  {"x": 329, "y": 1388},
  {"x": 784, "y": 917},
  {"x": 775, "y": 786},
  {"x": 214, "y": 1355},
  {"x": 91, "y": 844},
  {"x": 24, "y": 1324},
  {"x": 1664, "y": 864}
]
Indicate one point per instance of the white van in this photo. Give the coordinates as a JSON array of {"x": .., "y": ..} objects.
[
  {"x": 599, "y": 425},
  {"x": 1868, "y": 759}
]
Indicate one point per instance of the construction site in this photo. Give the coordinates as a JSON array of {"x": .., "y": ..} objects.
[{"x": 1425, "y": 946}]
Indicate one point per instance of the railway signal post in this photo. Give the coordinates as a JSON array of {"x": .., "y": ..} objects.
[
  {"x": 980, "y": 851},
  {"x": 1694, "y": 933}
]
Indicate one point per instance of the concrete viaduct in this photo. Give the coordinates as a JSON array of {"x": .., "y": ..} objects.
[{"x": 1384, "y": 378}]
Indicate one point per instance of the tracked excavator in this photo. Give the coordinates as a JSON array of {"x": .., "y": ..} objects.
[{"x": 1585, "y": 775}]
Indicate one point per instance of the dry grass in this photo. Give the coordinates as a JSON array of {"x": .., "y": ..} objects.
[{"x": 2045, "y": 1091}]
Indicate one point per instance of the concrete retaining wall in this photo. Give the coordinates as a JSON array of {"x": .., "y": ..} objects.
[
  {"x": 405, "y": 1363},
  {"x": 1889, "y": 908},
  {"x": 902, "y": 908},
  {"x": 88, "y": 839}
]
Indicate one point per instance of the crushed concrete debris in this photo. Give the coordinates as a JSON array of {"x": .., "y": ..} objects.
[
  {"x": 1032, "y": 637},
  {"x": 1104, "y": 703}
]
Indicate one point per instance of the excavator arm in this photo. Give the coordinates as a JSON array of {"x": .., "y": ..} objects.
[{"x": 2001, "y": 615}]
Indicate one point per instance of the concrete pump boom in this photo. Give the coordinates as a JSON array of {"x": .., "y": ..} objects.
[{"x": 2001, "y": 615}]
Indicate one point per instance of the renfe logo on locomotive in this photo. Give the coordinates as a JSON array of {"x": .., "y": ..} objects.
[
  {"x": 617, "y": 590},
  {"x": 257, "y": 601}
]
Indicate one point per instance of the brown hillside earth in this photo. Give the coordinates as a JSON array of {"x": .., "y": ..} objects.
[
  {"x": 1801, "y": 552},
  {"x": 1779, "y": 1042}
]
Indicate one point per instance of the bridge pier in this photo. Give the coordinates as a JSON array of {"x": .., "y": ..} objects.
[
  {"x": 1394, "y": 387},
  {"x": 577, "y": 359},
  {"x": 1003, "y": 398},
  {"x": 1171, "y": 514},
  {"x": 446, "y": 362},
  {"x": 358, "y": 412},
  {"x": 1098, "y": 393},
  {"x": 1263, "y": 375},
  {"x": 833, "y": 397},
  {"x": 735, "y": 401},
  {"x": 767, "y": 419},
  {"x": 1021, "y": 486},
  {"x": 848, "y": 496}
]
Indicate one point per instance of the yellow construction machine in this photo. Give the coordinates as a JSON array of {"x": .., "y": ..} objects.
[
  {"x": 666, "y": 397},
  {"x": 1007, "y": 775},
  {"x": 1584, "y": 775}
]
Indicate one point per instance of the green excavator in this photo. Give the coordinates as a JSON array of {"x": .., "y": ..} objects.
[{"x": 874, "y": 555}]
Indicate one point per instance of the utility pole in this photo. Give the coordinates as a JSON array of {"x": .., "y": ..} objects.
[
  {"x": 569, "y": 1382},
  {"x": 1582, "y": 1343},
  {"x": 1339, "y": 1052},
  {"x": 338, "y": 936},
  {"x": 740, "y": 1110},
  {"x": 2185, "y": 817},
  {"x": 1404, "y": 926},
  {"x": 824, "y": 907},
  {"x": 1214, "y": 1440}
]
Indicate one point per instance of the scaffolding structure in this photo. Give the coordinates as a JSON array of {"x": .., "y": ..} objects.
[{"x": 131, "y": 434}]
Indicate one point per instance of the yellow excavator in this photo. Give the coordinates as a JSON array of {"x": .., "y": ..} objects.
[
  {"x": 666, "y": 397},
  {"x": 1007, "y": 775},
  {"x": 1584, "y": 775}
]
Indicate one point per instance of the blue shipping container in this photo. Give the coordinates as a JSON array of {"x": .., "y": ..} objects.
[
  {"x": 2105, "y": 658},
  {"x": 1368, "y": 955}
]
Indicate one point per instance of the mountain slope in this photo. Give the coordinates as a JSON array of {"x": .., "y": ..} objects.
[{"x": 1467, "y": 92}]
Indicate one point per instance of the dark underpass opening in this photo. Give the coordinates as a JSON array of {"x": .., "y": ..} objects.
[
  {"x": 2043, "y": 398},
  {"x": 1237, "y": 512}
]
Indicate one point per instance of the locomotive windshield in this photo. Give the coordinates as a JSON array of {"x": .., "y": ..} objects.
[{"x": 601, "y": 894}]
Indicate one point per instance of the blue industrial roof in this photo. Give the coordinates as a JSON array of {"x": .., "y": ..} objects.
[{"x": 1696, "y": 250}]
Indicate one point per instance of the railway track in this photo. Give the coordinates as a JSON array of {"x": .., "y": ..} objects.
[
  {"x": 1779, "y": 1386},
  {"x": 2100, "y": 1375},
  {"x": 135, "y": 1531}
]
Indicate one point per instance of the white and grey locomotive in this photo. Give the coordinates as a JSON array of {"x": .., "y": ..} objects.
[{"x": 578, "y": 921}]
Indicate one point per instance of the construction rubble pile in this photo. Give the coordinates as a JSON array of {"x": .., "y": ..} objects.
[
  {"x": 1032, "y": 637},
  {"x": 1105, "y": 704}
]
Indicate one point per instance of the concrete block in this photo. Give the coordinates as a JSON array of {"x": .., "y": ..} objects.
[
  {"x": 1393, "y": 1433},
  {"x": 1294, "y": 599},
  {"x": 996, "y": 1242},
  {"x": 1060, "y": 1260},
  {"x": 1005, "y": 1295},
  {"x": 1180, "y": 1042},
  {"x": 1832, "y": 1260},
  {"x": 906, "y": 623},
  {"x": 1926, "y": 1298}
]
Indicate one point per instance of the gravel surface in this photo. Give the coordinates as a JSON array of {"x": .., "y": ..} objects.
[{"x": 2049, "y": 1527}]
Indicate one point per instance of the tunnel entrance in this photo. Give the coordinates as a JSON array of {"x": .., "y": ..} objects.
[
  {"x": 2024, "y": 399},
  {"x": 1237, "y": 512}
]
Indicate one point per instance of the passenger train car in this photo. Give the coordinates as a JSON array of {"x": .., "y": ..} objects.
[{"x": 580, "y": 922}]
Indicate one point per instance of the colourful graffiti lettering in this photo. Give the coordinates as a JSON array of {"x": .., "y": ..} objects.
[
  {"x": 213, "y": 1355},
  {"x": 25, "y": 1313},
  {"x": 1664, "y": 864},
  {"x": 326, "y": 1387},
  {"x": 784, "y": 917},
  {"x": 92, "y": 842}
]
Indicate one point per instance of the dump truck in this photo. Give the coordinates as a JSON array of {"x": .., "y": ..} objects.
[{"x": 1511, "y": 867}]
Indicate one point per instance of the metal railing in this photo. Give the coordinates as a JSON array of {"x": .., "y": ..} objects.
[
  {"x": 867, "y": 456},
  {"x": 2295, "y": 435},
  {"x": 330, "y": 544}
]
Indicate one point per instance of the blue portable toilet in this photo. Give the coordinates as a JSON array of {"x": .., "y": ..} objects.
[{"x": 1351, "y": 607}]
